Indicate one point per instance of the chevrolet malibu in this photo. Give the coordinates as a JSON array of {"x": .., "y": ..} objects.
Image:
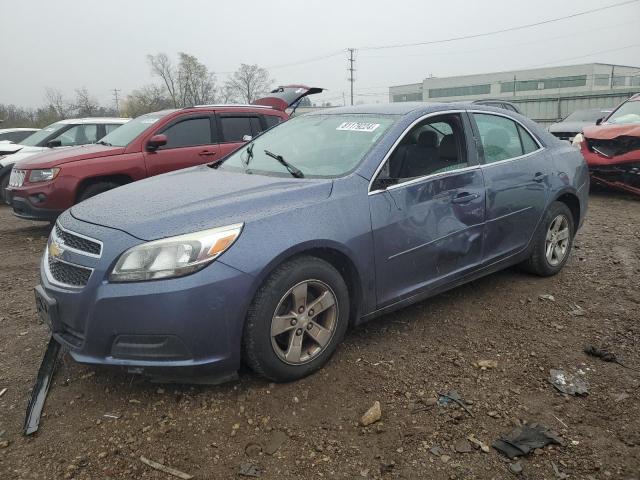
[{"x": 323, "y": 222}]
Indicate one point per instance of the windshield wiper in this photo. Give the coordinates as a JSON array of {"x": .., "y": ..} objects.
[
  {"x": 290, "y": 168},
  {"x": 249, "y": 155},
  {"x": 102, "y": 142}
]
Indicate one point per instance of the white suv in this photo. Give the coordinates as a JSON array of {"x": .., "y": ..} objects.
[{"x": 65, "y": 133}]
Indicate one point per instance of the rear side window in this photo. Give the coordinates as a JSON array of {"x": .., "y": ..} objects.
[
  {"x": 234, "y": 128},
  {"x": 189, "y": 132},
  {"x": 501, "y": 138}
]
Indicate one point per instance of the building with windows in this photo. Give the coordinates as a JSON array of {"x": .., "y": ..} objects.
[{"x": 543, "y": 94}]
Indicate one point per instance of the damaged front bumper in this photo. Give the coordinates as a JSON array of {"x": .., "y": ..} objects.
[{"x": 614, "y": 162}]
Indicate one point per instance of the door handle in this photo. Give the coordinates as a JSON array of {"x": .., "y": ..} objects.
[
  {"x": 464, "y": 197},
  {"x": 539, "y": 177},
  {"x": 207, "y": 153}
]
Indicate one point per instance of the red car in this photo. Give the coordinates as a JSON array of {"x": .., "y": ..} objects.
[
  {"x": 43, "y": 186},
  {"x": 612, "y": 148}
]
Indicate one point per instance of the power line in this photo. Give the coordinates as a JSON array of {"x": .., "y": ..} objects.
[
  {"x": 496, "y": 32},
  {"x": 116, "y": 99}
]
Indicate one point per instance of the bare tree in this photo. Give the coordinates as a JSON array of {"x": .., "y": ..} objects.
[
  {"x": 188, "y": 83},
  {"x": 162, "y": 67},
  {"x": 248, "y": 83},
  {"x": 85, "y": 104},
  {"x": 56, "y": 101},
  {"x": 149, "y": 98},
  {"x": 196, "y": 84}
]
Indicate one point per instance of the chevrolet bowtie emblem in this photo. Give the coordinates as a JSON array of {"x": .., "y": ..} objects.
[{"x": 55, "y": 250}]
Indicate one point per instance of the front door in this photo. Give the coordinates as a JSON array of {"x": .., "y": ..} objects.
[
  {"x": 515, "y": 173},
  {"x": 190, "y": 141},
  {"x": 427, "y": 209}
]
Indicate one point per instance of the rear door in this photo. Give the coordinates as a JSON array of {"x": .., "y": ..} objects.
[
  {"x": 191, "y": 140},
  {"x": 233, "y": 127},
  {"x": 515, "y": 173}
]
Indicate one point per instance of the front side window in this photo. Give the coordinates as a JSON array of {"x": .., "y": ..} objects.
[
  {"x": 188, "y": 133},
  {"x": 320, "y": 146},
  {"x": 502, "y": 138},
  {"x": 436, "y": 145},
  {"x": 78, "y": 135}
]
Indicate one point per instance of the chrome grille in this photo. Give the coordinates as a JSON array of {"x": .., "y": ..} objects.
[
  {"x": 67, "y": 273},
  {"x": 77, "y": 242},
  {"x": 17, "y": 178}
]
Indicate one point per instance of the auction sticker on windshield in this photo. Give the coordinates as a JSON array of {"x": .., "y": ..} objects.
[{"x": 358, "y": 126}]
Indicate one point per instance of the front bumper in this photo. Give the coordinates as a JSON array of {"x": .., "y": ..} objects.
[
  {"x": 23, "y": 208},
  {"x": 176, "y": 327}
]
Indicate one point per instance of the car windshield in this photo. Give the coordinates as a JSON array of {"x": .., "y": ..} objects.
[
  {"x": 35, "y": 139},
  {"x": 585, "y": 116},
  {"x": 124, "y": 135},
  {"x": 321, "y": 146},
  {"x": 627, "y": 113}
]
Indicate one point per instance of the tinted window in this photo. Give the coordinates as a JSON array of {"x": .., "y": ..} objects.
[
  {"x": 272, "y": 120},
  {"x": 15, "y": 137},
  {"x": 189, "y": 132},
  {"x": 78, "y": 135},
  {"x": 234, "y": 128},
  {"x": 500, "y": 138},
  {"x": 436, "y": 145},
  {"x": 256, "y": 125}
]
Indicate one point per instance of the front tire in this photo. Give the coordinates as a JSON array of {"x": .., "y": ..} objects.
[
  {"x": 4, "y": 183},
  {"x": 95, "y": 189},
  {"x": 552, "y": 242},
  {"x": 296, "y": 320}
]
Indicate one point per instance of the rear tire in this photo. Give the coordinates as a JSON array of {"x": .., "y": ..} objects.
[
  {"x": 95, "y": 189},
  {"x": 296, "y": 320},
  {"x": 552, "y": 241}
]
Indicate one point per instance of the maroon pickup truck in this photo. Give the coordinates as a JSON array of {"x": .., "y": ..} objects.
[{"x": 43, "y": 186}]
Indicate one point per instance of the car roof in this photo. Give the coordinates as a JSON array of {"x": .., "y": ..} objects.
[
  {"x": 8, "y": 130},
  {"x": 403, "y": 108},
  {"x": 98, "y": 120}
]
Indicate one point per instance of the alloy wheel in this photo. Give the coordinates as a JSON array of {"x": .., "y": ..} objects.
[
  {"x": 304, "y": 322},
  {"x": 557, "y": 240}
]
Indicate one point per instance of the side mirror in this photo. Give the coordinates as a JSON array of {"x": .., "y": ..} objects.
[
  {"x": 54, "y": 143},
  {"x": 247, "y": 138},
  {"x": 599, "y": 121},
  {"x": 156, "y": 142}
]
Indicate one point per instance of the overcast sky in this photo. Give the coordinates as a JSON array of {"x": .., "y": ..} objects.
[{"x": 101, "y": 45}]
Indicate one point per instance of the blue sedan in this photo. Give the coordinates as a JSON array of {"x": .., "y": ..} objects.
[{"x": 325, "y": 221}]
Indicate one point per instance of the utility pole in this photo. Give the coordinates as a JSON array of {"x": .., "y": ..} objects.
[
  {"x": 514, "y": 85},
  {"x": 116, "y": 99},
  {"x": 351, "y": 70}
]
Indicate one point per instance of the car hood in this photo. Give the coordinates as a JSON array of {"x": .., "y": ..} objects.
[
  {"x": 569, "y": 126},
  {"x": 8, "y": 148},
  {"x": 52, "y": 157},
  {"x": 608, "y": 132},
  {"x": 196, "y": 199}
]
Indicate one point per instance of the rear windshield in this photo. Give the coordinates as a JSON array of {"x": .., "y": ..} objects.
[
  {"x": 124, "y": 135},
  {"x": 35, "y": 139},
  {"x": 627, "y": 113},
  {"x": 321, "y": 146}
]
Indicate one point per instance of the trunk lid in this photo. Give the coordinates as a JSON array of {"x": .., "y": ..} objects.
[{"x": 287, "y": 96}]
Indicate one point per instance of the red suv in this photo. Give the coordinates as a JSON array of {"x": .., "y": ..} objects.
[{"x": 43, "y": 186}]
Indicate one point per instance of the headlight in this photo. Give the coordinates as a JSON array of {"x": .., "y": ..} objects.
[
  {"x": 174, "y": 256},
  {"x": 43, "y": 175},
  {"x": 577, "y": 140}
]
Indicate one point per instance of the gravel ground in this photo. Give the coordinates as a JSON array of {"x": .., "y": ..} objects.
[{"x": 98, "y": 422}]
